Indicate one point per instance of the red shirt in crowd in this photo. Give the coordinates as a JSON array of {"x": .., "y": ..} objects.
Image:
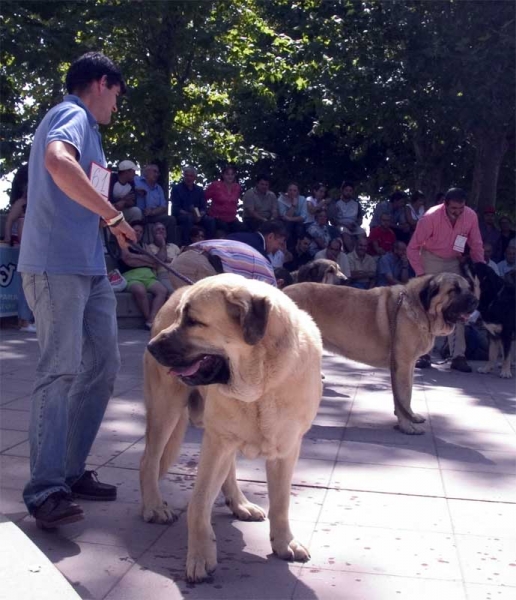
[
  {"x": 224, "y": 200},
  {"x": 384, "y": 237}
]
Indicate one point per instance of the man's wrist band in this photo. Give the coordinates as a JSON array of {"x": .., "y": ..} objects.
[{"x": 115, "y": 220}]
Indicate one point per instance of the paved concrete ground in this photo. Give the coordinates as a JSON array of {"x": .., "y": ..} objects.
[{"x": 385, "y": 515}]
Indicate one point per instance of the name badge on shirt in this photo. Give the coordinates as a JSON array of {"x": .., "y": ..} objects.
[
  {"x": 460, "y": 243},
  {"x": 100, "y": 177}
]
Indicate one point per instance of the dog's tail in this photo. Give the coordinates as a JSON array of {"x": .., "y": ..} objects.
[{"x": 173, "y": 446}]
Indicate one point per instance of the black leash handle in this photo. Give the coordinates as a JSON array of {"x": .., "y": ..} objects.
[{"x": 139, "y": 250}]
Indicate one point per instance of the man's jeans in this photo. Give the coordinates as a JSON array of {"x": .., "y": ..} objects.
[{"x": 77, "y": 334}]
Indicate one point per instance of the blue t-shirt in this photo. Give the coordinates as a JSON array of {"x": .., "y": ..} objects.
[
  {"x": 389, "y": 264},
  {"x": 60, "y": 236},
  {"x": 153, "y": 198}
]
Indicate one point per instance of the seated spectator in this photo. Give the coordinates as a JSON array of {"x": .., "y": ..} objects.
[
  {"x": 260, "y": 204},
  {"x": 300, "y": 254},
  {"x": 316, "y": 201},
  {"x": 151, "y": 200},
  {"x": 488, "y": 253},
  {"x": 122, "y": 191},
  {"x": 393, "y": 267},
  {"x": 189, "y": 206},
  {"x": 283, "y": 277},
  {"x": 164, "y": 251},
  {"x": 414, "y": 210},
  {"x": 197, "y": 234},
  {"x": 509, "y": 264},
  {"x": 489, "y": 231},
  {"x": 141, "y": 278},
  {"x": 293, "y": 212},
  {"x": 334, "y": 252},
  {"x": 382, "y": 238},
  {"x": 224, "y": 195},
  {"x": 15, "y": 219},
  {"x": 267, "y": 240},
  {"x": 395, "y": 207},
  {"x": 277, "y": 257},
  {"x": 349, "y": 216},
  {"x": 13, "y": 235},
  {"x": 322, "y": 233},
  {"x": 362, "y": 266},
  {"x": 506, "y": 235}
]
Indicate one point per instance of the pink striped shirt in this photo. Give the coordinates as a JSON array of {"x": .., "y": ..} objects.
[{"x": 435, "y": 233}]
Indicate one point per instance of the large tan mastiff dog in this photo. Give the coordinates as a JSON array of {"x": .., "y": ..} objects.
[
  {"x": 388, "y": 326},
  {"x": 253, "y": 358}
]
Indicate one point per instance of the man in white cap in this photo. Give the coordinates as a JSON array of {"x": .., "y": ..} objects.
[{"x": 121, "y": 191}]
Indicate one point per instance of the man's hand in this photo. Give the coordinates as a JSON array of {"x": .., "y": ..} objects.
[
  {"x": 148, "y": 212},
  {"x": 124, "y": 234},
  {"x": 120, "y": 204}
]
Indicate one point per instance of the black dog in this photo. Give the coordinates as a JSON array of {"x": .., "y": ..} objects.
[{"x": 497, "y": 307}]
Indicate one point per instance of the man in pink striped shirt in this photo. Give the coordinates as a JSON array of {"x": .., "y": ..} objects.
[{"x": 436, "y": 247}]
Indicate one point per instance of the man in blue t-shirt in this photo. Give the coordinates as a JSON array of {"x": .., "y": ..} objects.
[
  {"x": 65, "y": 283},
  {"x": 189, "y": 206},
  {"x": 393, "y": 267},
  {"x": 151, "y": 200}
]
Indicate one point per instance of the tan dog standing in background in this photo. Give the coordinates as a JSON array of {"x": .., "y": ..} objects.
[
  {"x": 388, "y": 327},
  {"x": 255, "y": 360}
]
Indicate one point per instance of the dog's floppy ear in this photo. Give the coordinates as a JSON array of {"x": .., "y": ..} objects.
[
  {"x": 429, "y": 291},
  {"x": 252, "y": 312}
]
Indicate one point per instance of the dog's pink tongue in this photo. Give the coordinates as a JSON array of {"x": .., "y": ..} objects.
[{"x": 187, "y": 371}]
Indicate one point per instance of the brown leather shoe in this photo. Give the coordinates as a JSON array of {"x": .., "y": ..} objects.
[
  {"x": 88, "y": 487},
  {"x": 424, "y": 362},
  {"x": 459, "y": 363},
  {"x": 57, "y": 510}
]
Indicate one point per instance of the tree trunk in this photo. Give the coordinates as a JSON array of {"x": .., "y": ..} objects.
[
  {"x": 428, "y": 169},
  {"x": 490, "y": 148}
]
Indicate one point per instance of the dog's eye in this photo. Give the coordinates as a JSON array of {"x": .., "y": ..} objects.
[{"x": 191, "y": 322}]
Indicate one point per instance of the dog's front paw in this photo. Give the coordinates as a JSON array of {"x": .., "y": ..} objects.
[
  {"x": 291, "y": 551},
  {"x": 409, "y": 428},
  {"x": 158, "y": 514},
  {"x": 506, "y": 373},
  {"x": 246, "y": 511},
  {"x": 201, "y": 563},
  {"x": 484, "y": 370}
]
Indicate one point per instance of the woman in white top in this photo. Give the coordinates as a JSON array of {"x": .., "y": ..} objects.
[{"x": 316, "y": 201}]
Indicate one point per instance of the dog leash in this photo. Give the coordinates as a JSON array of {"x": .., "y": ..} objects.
[{"x": 139, "y": 250}]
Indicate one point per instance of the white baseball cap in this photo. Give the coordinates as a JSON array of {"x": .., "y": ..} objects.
[{"x": 125, "y": 165}]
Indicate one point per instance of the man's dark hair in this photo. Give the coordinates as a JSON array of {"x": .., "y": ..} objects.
[
  {"x": 347, "y": 184},
  {"x": 137, "y": 222},
  {"x": 196, "y": 230},
  {"x": 319, "y": 211},
  {"x": 455, "y": 194},
  {"x": 318, "y": 186},
  {"x": 399, "y": 195},
  {"x": 90, "y": 67},
  {"x": 439, "y": 196},
  {"x": 262, "y": 177},
  {"x": 275, "y": 227},
  {"x": 417, "y": 195}
]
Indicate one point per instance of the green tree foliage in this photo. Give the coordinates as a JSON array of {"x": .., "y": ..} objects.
[{"x": 411, "y": 94}]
